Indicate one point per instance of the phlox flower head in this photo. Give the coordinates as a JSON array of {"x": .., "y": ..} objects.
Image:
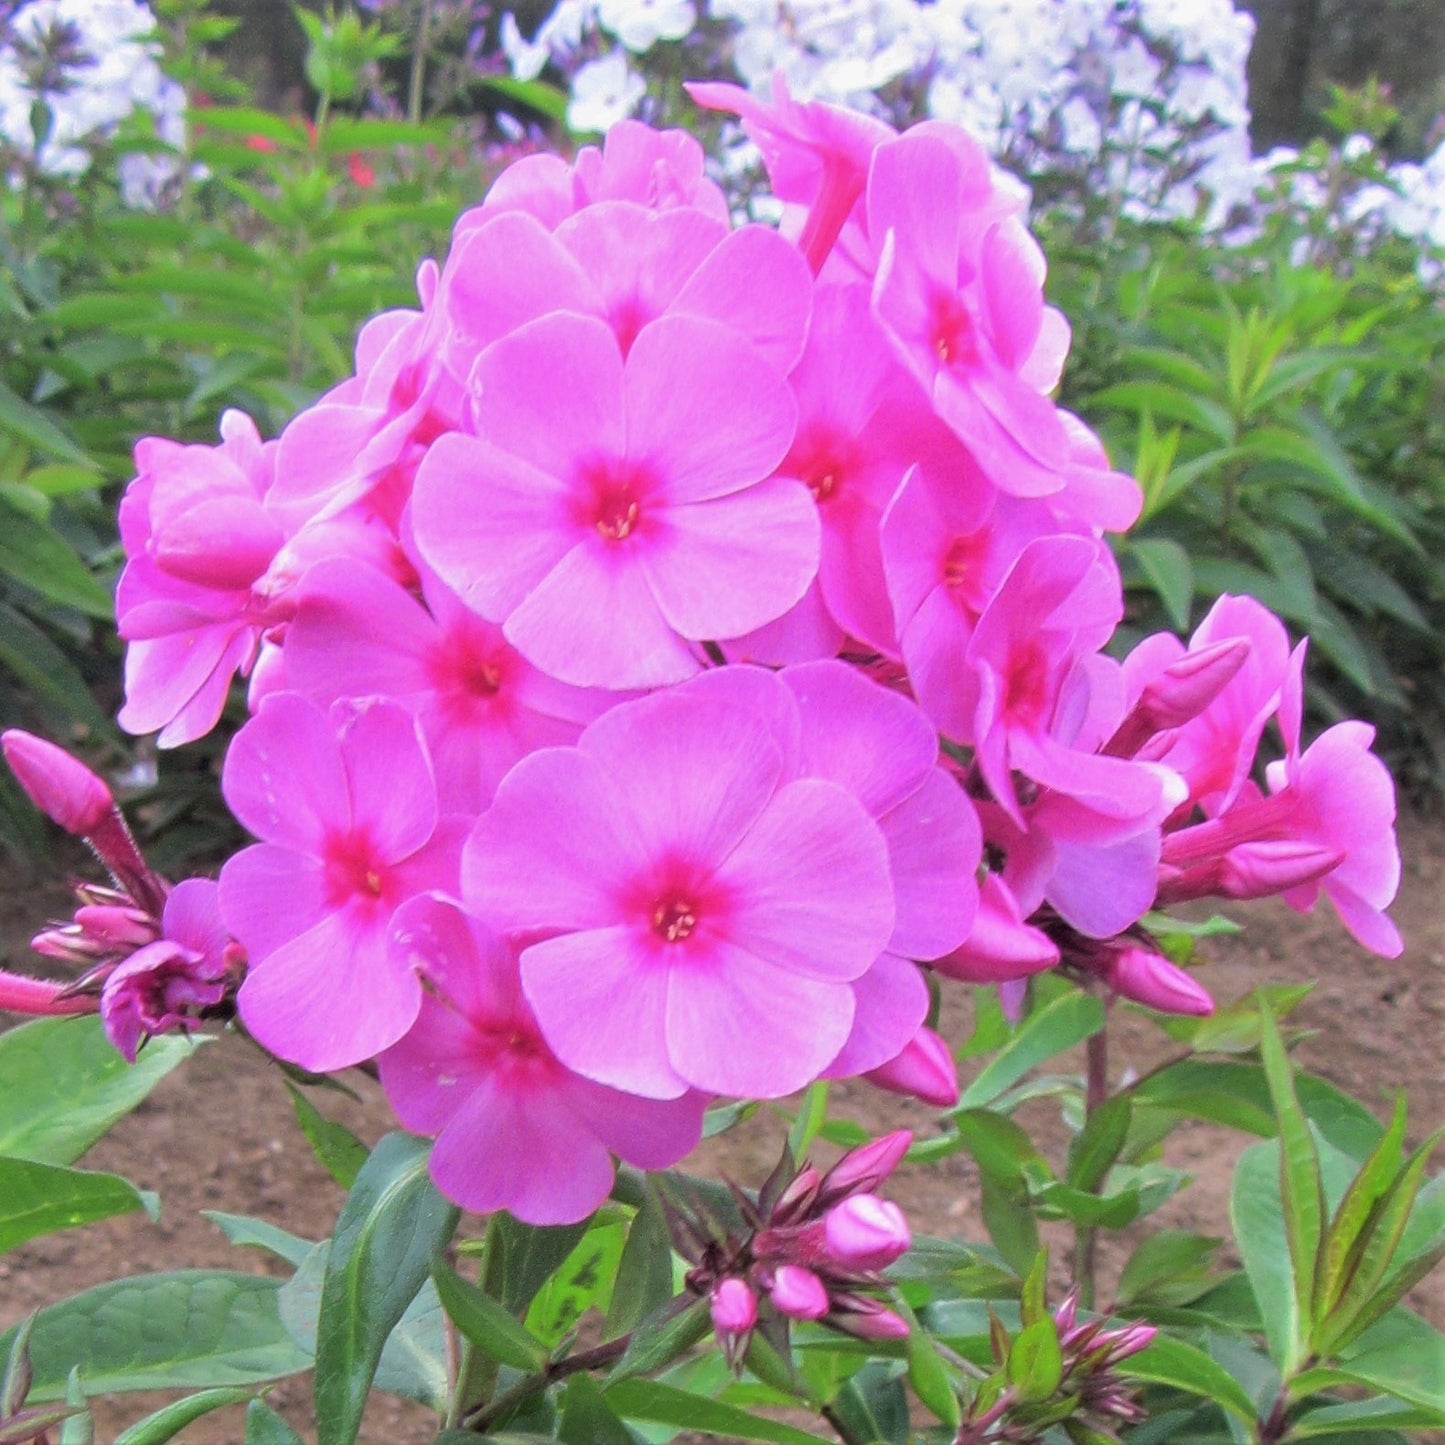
[
  {"x": 515, "y": 1128},
  {"x": 345, "y": 805}
]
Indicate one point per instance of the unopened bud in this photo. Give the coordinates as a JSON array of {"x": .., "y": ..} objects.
[
  {"x": 863, "y": 1169},
  {"x": 119, "y": 927},
  {"x": 1179, "y": 694},
  {"x": 22, "y": 995},
  {"x": 923, "y": 1069},
  {"x": 798, "y": 1293},
  {"x": 1149, "y": 978},
  {"x": 733, "y": 1305},
  {"x": 1260, "y": 870},
  {"x": 865, "y": 1232},
  {"x": 1000, "y": 945},
  {"x": 797, "y": 1199},
  {"x": 867, "y": 1319},
  {"x": 61, "y": 786}
]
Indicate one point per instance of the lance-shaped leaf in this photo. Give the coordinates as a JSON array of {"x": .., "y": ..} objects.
[
  {"x": 1301, "y": 1187},
  {"x": 38, "y": 1199},
  {"x": 484, "y": 1322},
  {"x": 265, "y": 1427},
  {"x": 393, "y": 1223},
  {"x": 170, "y": 1420},
  {"x": 341, "y": 1153}
]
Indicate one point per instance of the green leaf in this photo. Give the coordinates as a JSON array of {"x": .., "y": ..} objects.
[
  {"x": 664, "y": 1335},
  {"x": 659, "y": 1404},
  {"x": 1163, "y": 1263},
  {"x": 1011, "y": 1224},
  {"x": 64, "y": 1085},
  {"x": 391, "y": 1226},
  {"x": 1096, "y": 1148},
  {"x": 39, "y": 558},
  {"x": 545, "y": 99},
  {"x": 202, "y": 1328},
  {"x": 341, "y": 1153},
  {"x": 1170, "y": 573},
  {"x": 583, "y": 1281},
  {"x": 1402, "y": 1355},
  {"x": 265, "y": 1427},
  {"x": 1169, "y": 1361},
  {"x": 522, "y": 1257},
  {"x": 15, "y": 1383},
  {"x": 169, "y": 1421},
  {"x": 1257, "y": 1217},
  {"x": 32, "y": 426},
  {"x": 485, "y": 1323},
  {"x": 1161, "y": 399},
  {"x": 1067, "y": 1020},
  {"x": 644, "y": 1274},
  {"x": 927, "y": 1373},
  {"x": 46, "y": 670},
  {"x": 1035, "y": 1362},
  {"x": 38, "y": 1199},
  {"x": 251, "y": 1233},
  {"x": 873, "y": 1405},
  {"x": 1301, "y": 1186},
  {"x": 1360, "y": 1416},
  {"x": 587, "y": 1419}
]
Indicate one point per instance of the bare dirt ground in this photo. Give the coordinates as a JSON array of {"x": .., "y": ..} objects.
[{"x": 220, "y": 1133}]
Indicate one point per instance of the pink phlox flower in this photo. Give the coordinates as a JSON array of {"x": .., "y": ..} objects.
[
  {"x": 963, "y": 307},
  {"x": 835, "y": 724},
  {"x": 1215, "y": 750},
  {"x": 948, "y": 539},
  {"x": 515, "y": 1128},
  {"x": 191, "y": 604},
  {"x": 626, "y": 265},
  {"x": 1094, "y": 498},
  {"x": 164, "y": 984},
  {"x": 691, "y": 916},
  {"x": 481, "y": 705},
  {"x": 817, "y": 156},
  {"x": 345, "y": 805},
  {"x": 862, "y": 422},
  {"x": 620, "y": 512}
]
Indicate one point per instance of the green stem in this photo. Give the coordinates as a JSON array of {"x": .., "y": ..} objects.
[
  {"x": 1096, "y": 1094},
  {"x": 510, "y": 1401},
  {"x": 417, "y": 87}
]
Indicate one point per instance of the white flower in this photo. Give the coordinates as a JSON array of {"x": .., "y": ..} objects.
[
  {"x": 640, "y": 24},
  {"x": 604, "y": 92}
]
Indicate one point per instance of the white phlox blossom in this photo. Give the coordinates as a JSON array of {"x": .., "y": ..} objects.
[
  {"x": 604, "y": 92},
  {"x": 117, "y": 74},
  {"x": 640, "y": 24}
]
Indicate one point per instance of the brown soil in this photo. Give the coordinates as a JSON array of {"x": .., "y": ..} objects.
[{"x": 220, "y": 1134}]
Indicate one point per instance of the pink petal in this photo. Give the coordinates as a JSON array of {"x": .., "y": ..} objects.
[
  {"x": 601, "y": 1000},
  {"x": 650, "y": 1133},
  {"x": 284, "y": 778},
  {"x": 738, "y": 1025},
  {"x": 814, "y": 892},
  {"x": 393, "y": 790},
  {"x": 890, "y": 1004},
  {"x": 269, "y": 896},
  {"x": 723, "y": 567}
]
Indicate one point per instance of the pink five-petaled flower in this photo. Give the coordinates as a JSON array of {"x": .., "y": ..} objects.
[
  {"x": 620, "y": 512},
  {"x": 691, "y": 917},
  {"x": 162, "y": 984},
  {"x": 346, "y": 807},
  {"x": 515, "y": 1128}
]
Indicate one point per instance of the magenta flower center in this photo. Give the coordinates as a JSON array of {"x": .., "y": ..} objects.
[
  {"x": 616, "y": 513},
  {"x": 1027, "y": 692},
  {"x": 353, "y": 871},
  {"x": 674, "y": 918},
  {"x": 955, "y": 337}
]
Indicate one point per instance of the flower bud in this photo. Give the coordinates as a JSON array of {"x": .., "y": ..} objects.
[
  {"x": 1000, "y": 944},
  {"x": 61, "y": 786},
  {"x": 863, "y": 1169},
  {"x": 22, "y": 995},
  {"x": 1260, "y": 870},
  {"x": 865, "y": 1232},
  {"x": 1179, "y": 693},
  {"x": 867, "y": 1319},
  {"x": 1149, "y": 978},
  {"x": 117, "y": 926},
  {"x": 798, "y": 1293},
  {"x": 923, "y": 1069},
  {"x": 733, "y": 1305}
]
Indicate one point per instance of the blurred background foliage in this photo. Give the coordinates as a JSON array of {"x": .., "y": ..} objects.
[{"x": 1282, "y": 399}]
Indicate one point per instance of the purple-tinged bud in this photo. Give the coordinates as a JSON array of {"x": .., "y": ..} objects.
[
  {"x": 22, "y": 995},
  {"x": 733, "y": 1305},
  {"x": 1260, "y": 870},
  {"x": 1179, "y": 694},
  {"x": 865, "y": 1232},
  {"x": 799, "y": 1293},
  {"x": 116, "y": 926},
  {"x": 866, "y": 1318},
  {"x": 1131, "y": 1341},
  {"x": 797, "y": 1199},
  {"x": 923, "y": 1069},
  {"x": 1000, "y": 945},
  {"x": 1149, "y": 978},
  {"x": 1068, "y": 1311},
  {"x": 61, "y": 786},
  {"x": 862, "y": 1170}
]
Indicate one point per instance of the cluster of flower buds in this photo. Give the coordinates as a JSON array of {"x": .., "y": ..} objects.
[
  {"x": 811, "y": 1247},
  {"x": 1088, "y": 1393},
  {"x": 153, "y": 957}
]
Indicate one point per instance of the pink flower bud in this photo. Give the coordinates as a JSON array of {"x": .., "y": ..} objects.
[
  {"x": 1180, "y": 693},
  {"x": 1260, "y": 870},
  {"x": 116, "y": 926},
  {"x": 734, "y": 1306},
  {"x": 61, "y": 786},
  {"x": 798, "y": 1293},
  {"x": 1149, "y": 978},
  {"x": 923, "y": 1069},
  {"x": 867, "y": 1319},
  {"x": 865, "y": 1232},
  {"x": 1000, "y": 945},
  {"x": 22, "y": 995},
  {"x": 1131, "y": 1341},
  {"x": 866, "y": 1167},
  {"x": 797, "y": 1199}
]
